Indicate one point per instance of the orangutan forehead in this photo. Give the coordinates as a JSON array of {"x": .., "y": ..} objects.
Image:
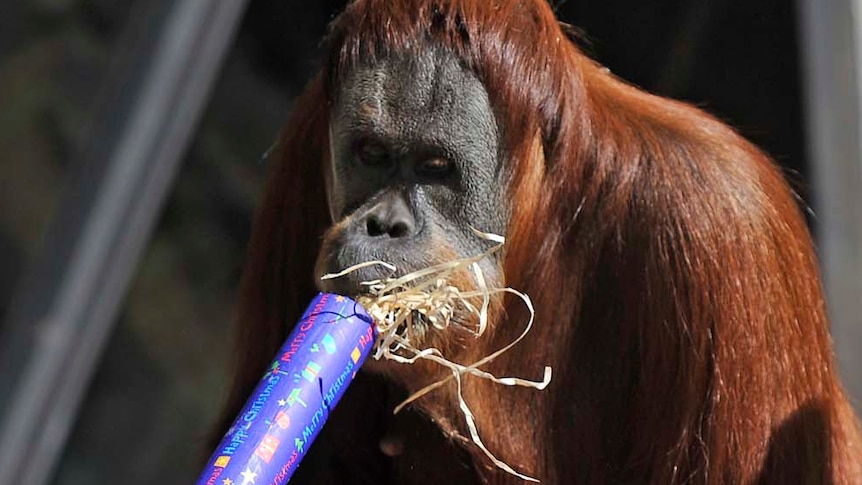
[{"x": 414, "y": 97}]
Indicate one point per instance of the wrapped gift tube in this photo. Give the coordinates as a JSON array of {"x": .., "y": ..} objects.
[{"x": 288, "y": 408}]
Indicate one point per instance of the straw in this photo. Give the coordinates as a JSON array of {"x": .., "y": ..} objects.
[{"x": 404, "y": 306}]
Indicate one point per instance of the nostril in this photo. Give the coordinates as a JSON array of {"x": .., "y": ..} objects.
[
  {"x": 399, "y": 229},
  {"x": 374, "y": 228},
  {"x": 379, "y": 227}
]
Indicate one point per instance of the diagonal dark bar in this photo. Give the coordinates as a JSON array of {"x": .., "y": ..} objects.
[{"x": 65, "y": 309}]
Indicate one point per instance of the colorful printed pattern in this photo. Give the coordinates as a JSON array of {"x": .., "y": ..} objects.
[{"x": 290, "y": 405}]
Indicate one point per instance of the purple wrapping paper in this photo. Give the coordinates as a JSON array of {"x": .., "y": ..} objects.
[{"x": 288, "y": 408}]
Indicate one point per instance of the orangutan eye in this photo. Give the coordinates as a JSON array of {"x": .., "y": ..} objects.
[
  {"x": 435, "y": 167},
  {"x": 372, "y": 155}
]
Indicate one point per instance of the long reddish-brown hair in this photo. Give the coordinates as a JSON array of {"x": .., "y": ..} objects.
[{"x": 676, "y": 287}]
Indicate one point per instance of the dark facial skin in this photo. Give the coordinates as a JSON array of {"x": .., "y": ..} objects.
[{"x": 415, "y": 164}]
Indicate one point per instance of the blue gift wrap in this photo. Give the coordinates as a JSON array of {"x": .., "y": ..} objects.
[{"x": 288, "y": 408}]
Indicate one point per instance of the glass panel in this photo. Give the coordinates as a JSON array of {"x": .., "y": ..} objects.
[
  {"x": 55, "y": 56},
  {"x": 163, "y": 375}
]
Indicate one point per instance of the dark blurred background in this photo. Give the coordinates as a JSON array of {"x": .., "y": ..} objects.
[{"x": 163, "y": 371}]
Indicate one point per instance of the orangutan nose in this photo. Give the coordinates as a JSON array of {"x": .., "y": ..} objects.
[{"x": 390, "y": 217}]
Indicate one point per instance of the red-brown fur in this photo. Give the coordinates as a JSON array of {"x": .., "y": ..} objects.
[{"x": 677, "y": 292}]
